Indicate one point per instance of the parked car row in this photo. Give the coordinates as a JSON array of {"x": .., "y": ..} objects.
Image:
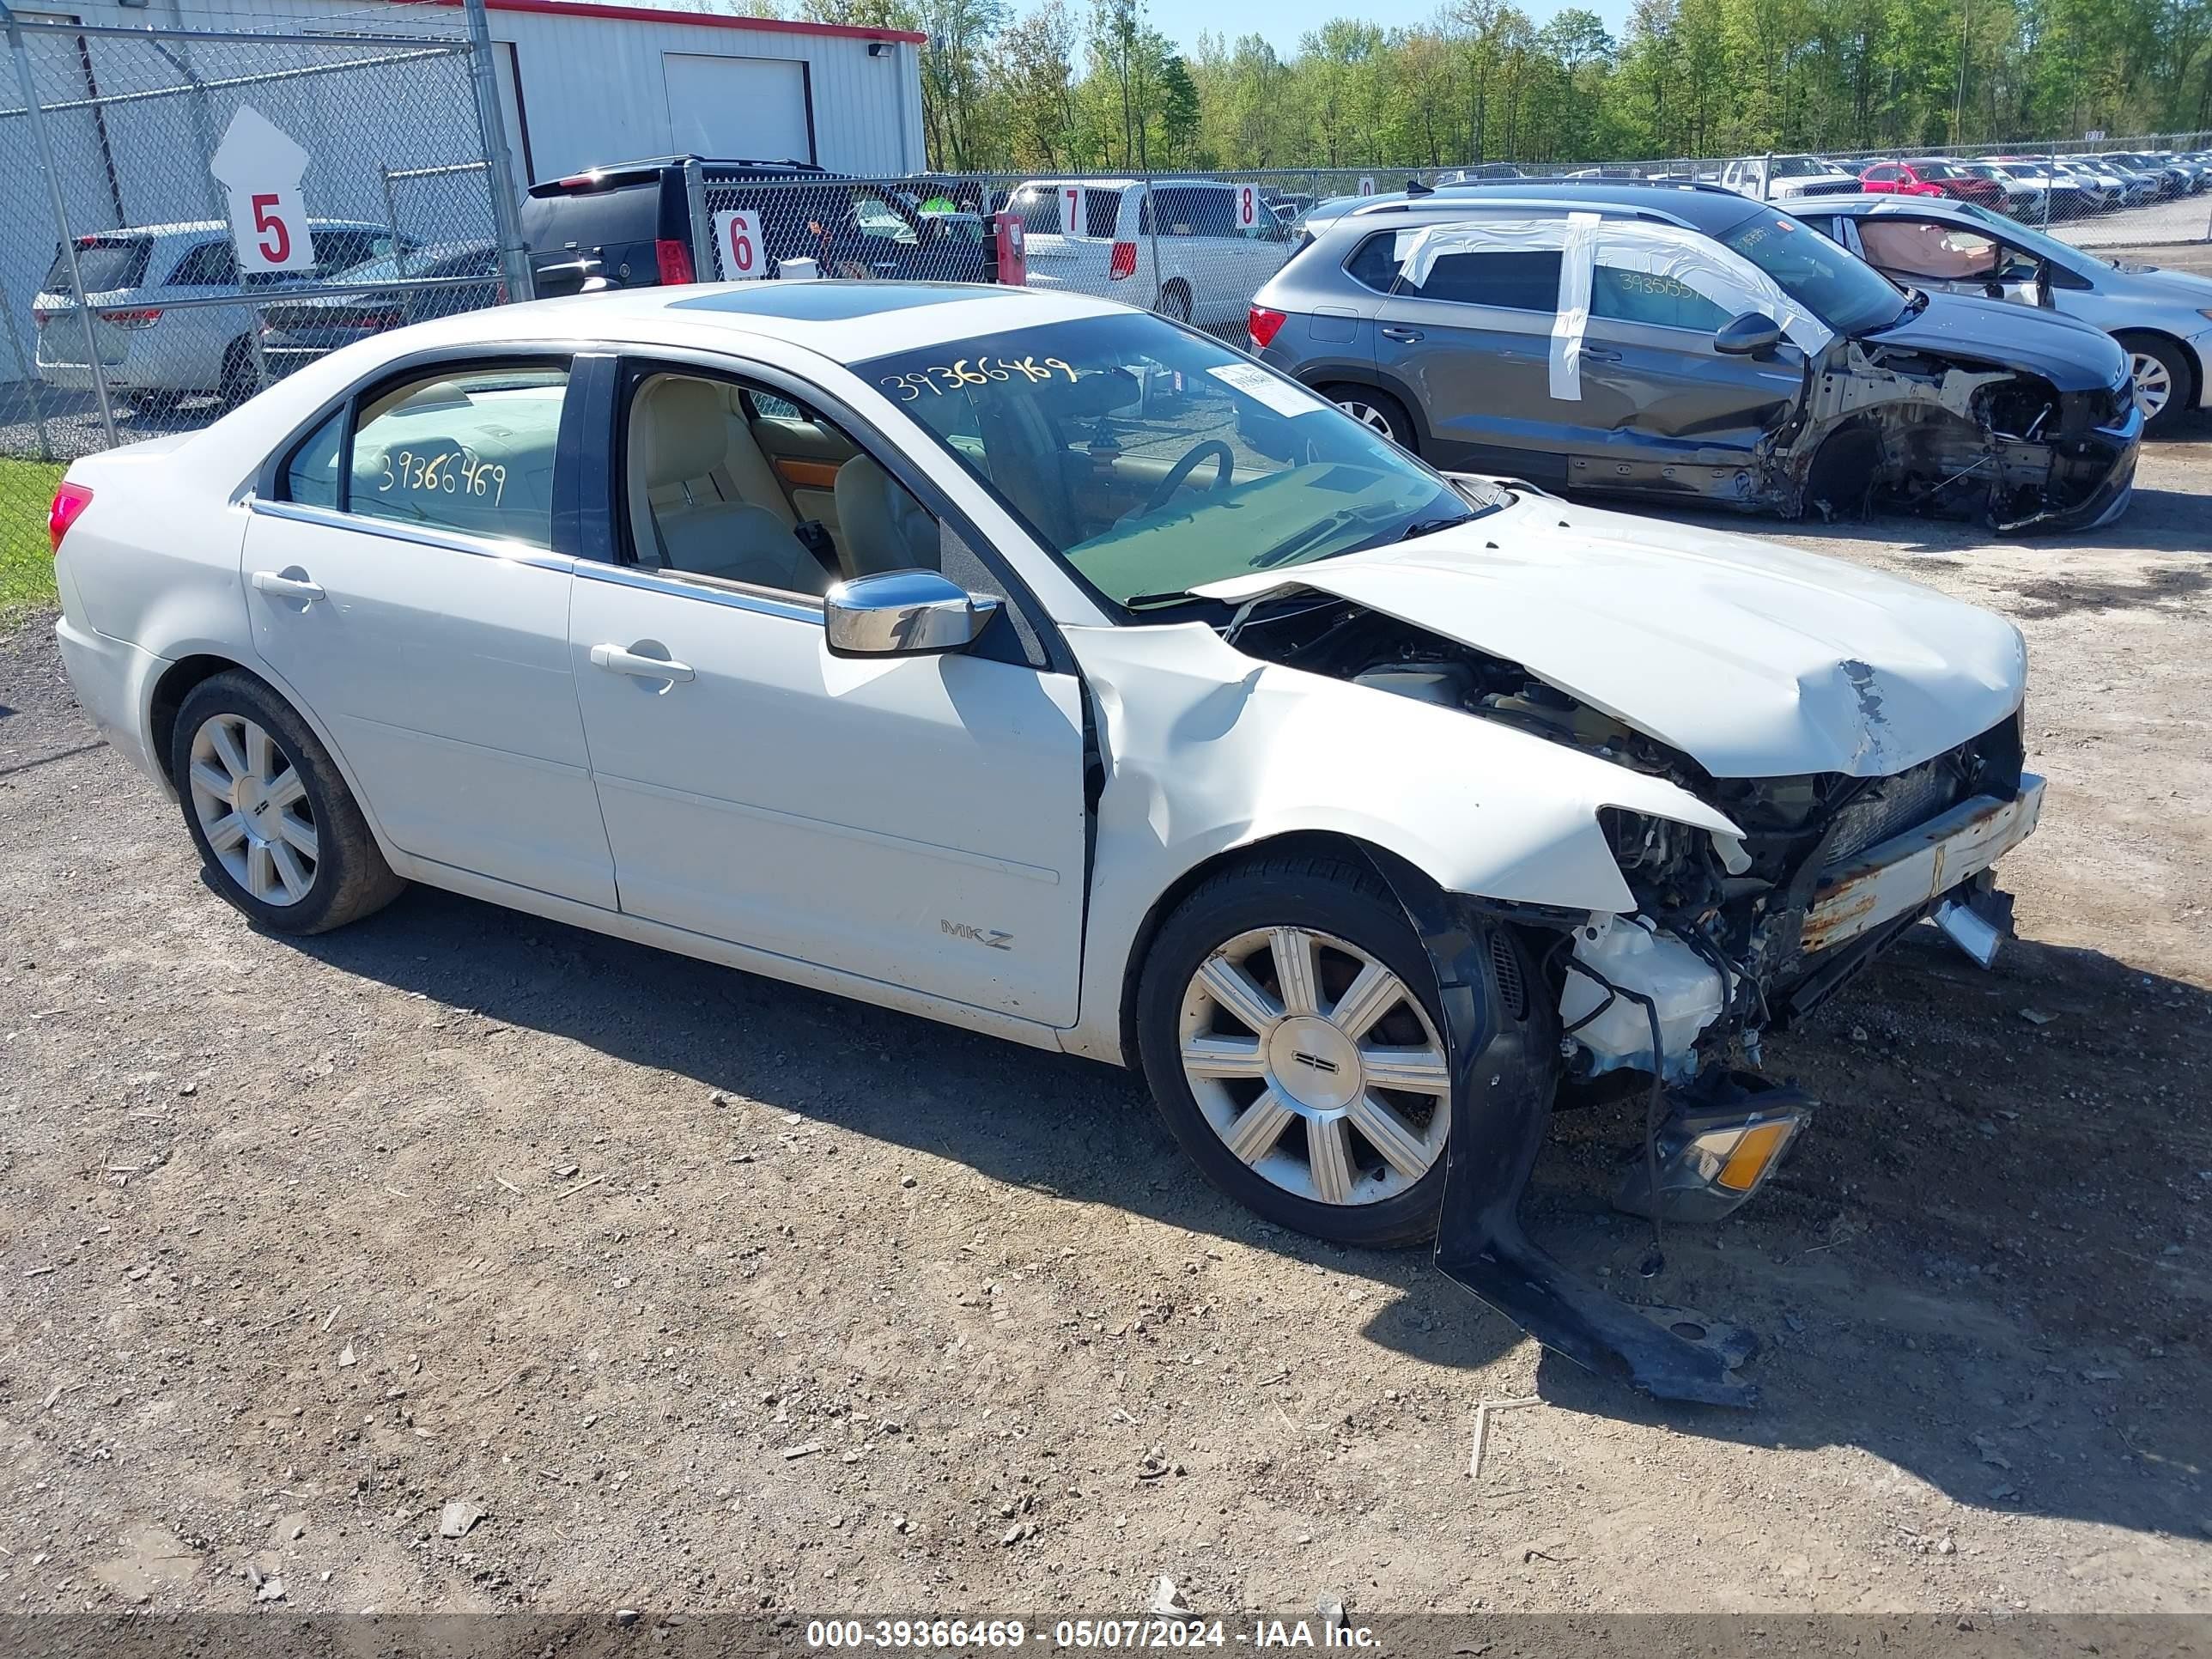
[{"x": 2034, "y": 188}]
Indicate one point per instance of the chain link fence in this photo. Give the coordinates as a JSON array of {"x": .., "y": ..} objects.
[{"x": 192, "y": 214}]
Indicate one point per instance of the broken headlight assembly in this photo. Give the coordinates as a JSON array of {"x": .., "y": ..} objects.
[{"x": 1715, "y": 1151}]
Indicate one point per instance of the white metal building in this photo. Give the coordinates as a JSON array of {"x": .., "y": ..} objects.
[{"x": 133, "y": 118}]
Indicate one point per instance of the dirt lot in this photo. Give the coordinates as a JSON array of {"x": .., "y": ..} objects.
[{"x": 712, "y": 1293}]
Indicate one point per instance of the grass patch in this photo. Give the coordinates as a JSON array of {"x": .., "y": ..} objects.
[{"x": 26, "y": 562}]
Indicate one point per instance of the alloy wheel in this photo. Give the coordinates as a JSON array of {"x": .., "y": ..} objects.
[
  {"x": 1315, "y": 1064},
  {"x": 1369, "y": 417},
  {"x": 2153, "y": 384},
  {"x": 252, "y": 806}
]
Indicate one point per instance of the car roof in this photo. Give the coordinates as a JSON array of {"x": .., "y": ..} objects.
[
  {"x": 844, "y": 321},
  {"x": 1704, "y": 207}
]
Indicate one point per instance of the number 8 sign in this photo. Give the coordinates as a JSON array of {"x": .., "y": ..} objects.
[
  {"x": 737, "y": 240},
  {"x": 1249, "y": 206}
]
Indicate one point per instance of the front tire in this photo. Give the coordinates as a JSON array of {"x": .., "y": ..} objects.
[
  {"x": 2165, "y": 386},
  {"x": 279, "y": 832},
  {"x": 1288, "y": 1026}
]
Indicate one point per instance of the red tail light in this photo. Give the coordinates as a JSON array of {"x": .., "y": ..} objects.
[
  {"x": 69, "y": 501},
  {"x": 1263, "y": 324},
  {"x": 1124, "y": 262},
  {"x": 675, "y": 261},
  {"x": 499, "y": 294},
  {"x": 131, "y": 318}
]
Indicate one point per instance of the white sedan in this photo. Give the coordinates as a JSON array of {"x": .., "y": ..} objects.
[{"x": 1041, "y": 666}]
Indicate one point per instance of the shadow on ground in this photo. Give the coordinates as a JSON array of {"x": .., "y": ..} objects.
[{"x": 1965, "y": 1272}]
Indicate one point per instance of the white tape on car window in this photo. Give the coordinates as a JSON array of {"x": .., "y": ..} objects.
[{"x": 1576, "y": 255}]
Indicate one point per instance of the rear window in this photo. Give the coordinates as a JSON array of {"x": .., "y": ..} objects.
[
  {"x": 105, "y": 263},
  {"x": 1039, "y": 207},
  {"x": 1190, "y": 211},
  {"x": 1511, "y": 279},
  {"x": 593, "y": 218}
]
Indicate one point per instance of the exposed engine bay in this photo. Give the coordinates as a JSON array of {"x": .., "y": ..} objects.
[
  {"x": 1721, "y": 925},
  {"x": 1731, "y": 936},
  {"x": 1893, "y": 428}
]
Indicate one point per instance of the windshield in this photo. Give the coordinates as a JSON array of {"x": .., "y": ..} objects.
[
  {"x": 1847, "y": 294},
  {"x": 1152, "y": 461},
  {"x": 1798, "y": 167}
]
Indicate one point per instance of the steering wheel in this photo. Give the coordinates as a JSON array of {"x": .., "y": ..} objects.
[{"x": 1225, "y": 463}]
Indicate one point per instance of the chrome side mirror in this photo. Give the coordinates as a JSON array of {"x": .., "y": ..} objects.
[{"x": 903, "y": 613}]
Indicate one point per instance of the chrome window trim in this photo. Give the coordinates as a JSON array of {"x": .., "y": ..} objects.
[
  {"x": 514, "y": 552},
  {"x": 712, "y": 589}
]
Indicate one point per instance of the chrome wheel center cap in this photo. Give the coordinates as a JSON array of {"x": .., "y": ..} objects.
[
  {"x": 1314, "y": 1064},
  {"x": 249, "y": 799}
]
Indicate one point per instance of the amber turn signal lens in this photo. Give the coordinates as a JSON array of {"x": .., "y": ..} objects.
[{"x": 1752, "y": 1154}]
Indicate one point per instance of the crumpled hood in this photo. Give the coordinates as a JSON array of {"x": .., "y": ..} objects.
[
  {"x": 2073, "y": 355},
  {"x": 1754, "y": 660}
]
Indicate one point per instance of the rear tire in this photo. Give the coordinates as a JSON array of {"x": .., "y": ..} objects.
[
  {"x": 1309, "y": 1144},
  {"x": 279, "y": 832},
  {"x": 1378, "y": 411},
  {"x": 1173, "y": 302}
]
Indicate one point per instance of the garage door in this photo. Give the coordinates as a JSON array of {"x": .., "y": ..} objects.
[{"x": 751, "y": 108}]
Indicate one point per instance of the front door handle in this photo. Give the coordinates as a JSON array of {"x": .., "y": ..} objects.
[
  {"x": 291, "y": 587},
  {"x": 1600, "y": 354},
  {"x": 1403, "y": 336},
  {"x": 616, "y": 660}
]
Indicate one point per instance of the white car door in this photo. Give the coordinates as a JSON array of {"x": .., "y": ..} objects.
[
  {"x": 414, "y": 604},
  {"x": 918, "y": 820}
]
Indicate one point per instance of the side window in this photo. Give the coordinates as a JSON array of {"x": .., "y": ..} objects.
[
  {"x": 1513, "y": 281},
  {"x": 211, "y": 265},
  {"x": 1640, "y": 296},
  {"x": 1881, "y": 175},
  {"x": 467, "y": 449},
  {"x": 1374, "y": 263},
  {"x": 1174, "y": 212},
  {"x": 1216, "y": 212},
  {"x": 741, "y": 485},
  {"x": 311, "y": 477},
  {"x": 1923, "y": 247}
]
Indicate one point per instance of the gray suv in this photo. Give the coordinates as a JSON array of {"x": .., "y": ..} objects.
[{"x": 1678, "y": 341}]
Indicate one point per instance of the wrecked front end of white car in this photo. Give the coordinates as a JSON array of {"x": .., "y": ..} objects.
[{"x": 1805, "y": 760}]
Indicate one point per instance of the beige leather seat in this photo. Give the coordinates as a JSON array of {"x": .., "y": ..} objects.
[
  {"x": 689, "y": 512},
  {"x": 880, "y": 523}
]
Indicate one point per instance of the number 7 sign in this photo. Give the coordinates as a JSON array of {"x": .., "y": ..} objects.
[
  {"x": 259, "y": 167},
  {"x": 1071, "y": 219},
  {"x": 738, "y": 242}
]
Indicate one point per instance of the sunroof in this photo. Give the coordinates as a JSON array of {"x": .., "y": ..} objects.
[{"x": 830, "y": 302}]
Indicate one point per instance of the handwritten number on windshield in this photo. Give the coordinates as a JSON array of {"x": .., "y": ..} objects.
[{"x": 939, "y": 377}]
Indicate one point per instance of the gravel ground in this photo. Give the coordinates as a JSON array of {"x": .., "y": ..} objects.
[{"x": 713, "y": 1293}]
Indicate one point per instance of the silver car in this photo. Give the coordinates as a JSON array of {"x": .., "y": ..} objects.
[{"x": 2164, "y": 318}]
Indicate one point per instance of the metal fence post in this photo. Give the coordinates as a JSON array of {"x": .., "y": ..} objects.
[
  {"x": 706, "y": 257},
  {"x": 36, "y": 117},
  {"x": 513, "y": 256}
]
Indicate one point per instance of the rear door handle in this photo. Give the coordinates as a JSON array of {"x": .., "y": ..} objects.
[
  {"x": 616, "y": 660},
  {"x": 292, "y": 587},
  {"x": 1403, "y": 336},
  {"x": 1600, "y": 354}
]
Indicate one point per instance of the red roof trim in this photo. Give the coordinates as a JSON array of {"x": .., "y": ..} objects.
[{"x": 710, "y": 20}]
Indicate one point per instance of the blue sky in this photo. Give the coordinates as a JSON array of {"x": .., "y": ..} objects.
[{"x": 1283, "y": 21}]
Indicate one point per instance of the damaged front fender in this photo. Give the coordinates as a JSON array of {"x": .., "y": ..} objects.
[{"x": 1504, "y": 1072}]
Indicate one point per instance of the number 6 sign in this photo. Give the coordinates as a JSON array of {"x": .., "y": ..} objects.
[
  {"x": 737, "y": 240},
  {"x": 259, "y": 167}
]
